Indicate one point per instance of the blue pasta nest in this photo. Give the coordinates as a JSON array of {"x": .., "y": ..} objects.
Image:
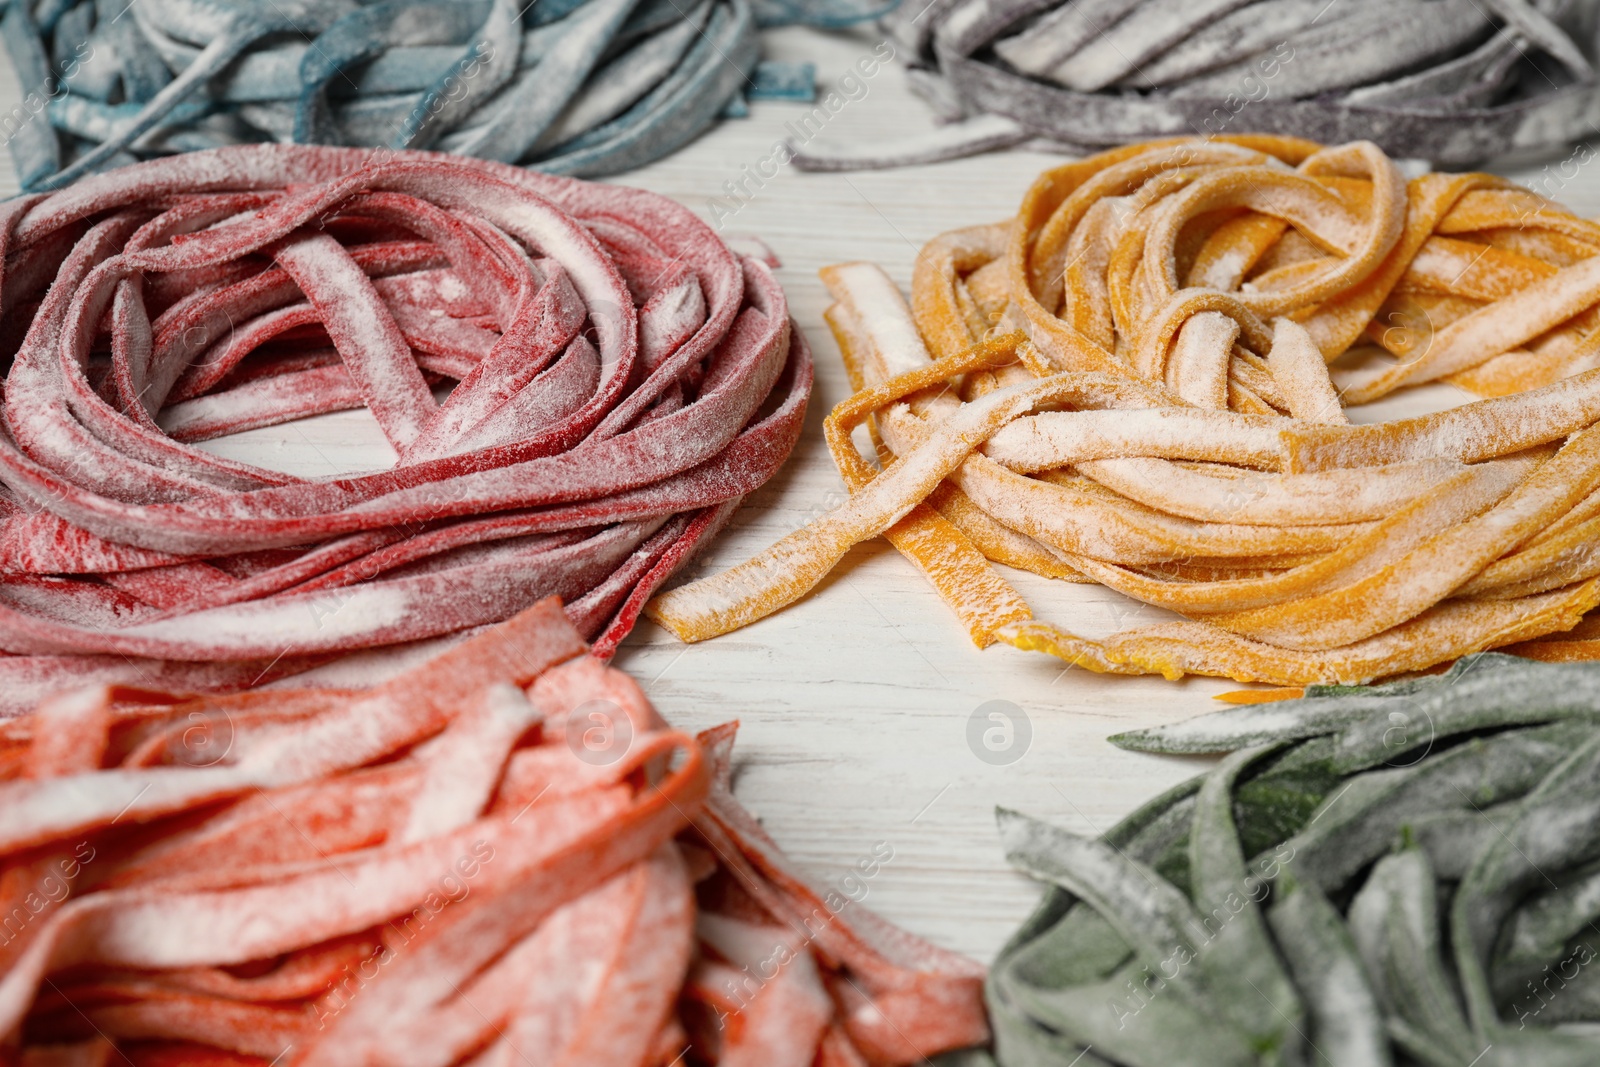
[{"x": 579, "y": 87}]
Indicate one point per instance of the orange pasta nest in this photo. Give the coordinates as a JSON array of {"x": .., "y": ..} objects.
[
  {"x": 502, "y": 856},
  {"x": 1143, "y": 380}
]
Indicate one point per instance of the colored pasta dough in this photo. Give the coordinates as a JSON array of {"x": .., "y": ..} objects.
[
  {"x": 1453, "y": 81},
  {"x": 444, "y": 869},
  {"x": 1388, "y": 875},
  {"x": 581, "y": 87},
  {"x": 1140, "y": 381},
  {"x": 622, "y": 380}
]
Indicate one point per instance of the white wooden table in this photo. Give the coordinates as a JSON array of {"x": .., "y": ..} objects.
[{"x": 855, "y": 702}]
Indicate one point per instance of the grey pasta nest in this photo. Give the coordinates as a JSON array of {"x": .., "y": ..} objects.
[{"x": 1452, "y": 81}]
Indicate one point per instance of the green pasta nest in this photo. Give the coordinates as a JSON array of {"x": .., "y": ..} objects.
[{"x": 1397, "y": 874}]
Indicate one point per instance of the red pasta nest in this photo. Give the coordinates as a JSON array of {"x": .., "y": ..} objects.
[
  {"x": 623, "y": 380},
  {"x": 444, "y": 869}
]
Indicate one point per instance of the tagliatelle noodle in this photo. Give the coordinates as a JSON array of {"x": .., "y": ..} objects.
[
  {"x": 623, "y": 379},
  {"x": 1452, "y": 81},
  {"x": 1141, "y": 381},
  {"x": 439, "y": 870},
  {"x": 579, "y": 87}
]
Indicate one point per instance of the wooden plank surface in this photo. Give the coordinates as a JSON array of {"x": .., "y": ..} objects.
[{"x": 858, "y": 703}]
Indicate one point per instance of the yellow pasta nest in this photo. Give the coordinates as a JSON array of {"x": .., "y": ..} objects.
[{"x": 1142, "y": 381}]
